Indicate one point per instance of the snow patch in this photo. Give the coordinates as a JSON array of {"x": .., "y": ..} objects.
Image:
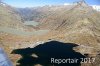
[
  {"x": 96, "y": 7},
  {"x": 67, "y": 4},
  {"x": 3, "y": 4}
]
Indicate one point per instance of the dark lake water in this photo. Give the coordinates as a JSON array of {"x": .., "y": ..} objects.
[
  {"x": 46, "y": 51},
  {"x": 4, "y": 60}
]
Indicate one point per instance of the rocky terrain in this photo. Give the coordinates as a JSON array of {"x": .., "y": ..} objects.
[
  {"x": 8, "y": 17},
  {"x": 78, "y": 23}
]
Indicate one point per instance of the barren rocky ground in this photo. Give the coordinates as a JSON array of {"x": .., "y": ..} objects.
[{"x": 73, "y": 24}]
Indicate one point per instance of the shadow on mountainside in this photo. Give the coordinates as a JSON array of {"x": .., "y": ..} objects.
[{"x": 46, "y": 51}]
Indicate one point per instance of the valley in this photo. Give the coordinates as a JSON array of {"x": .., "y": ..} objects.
[
  {"x": 22, "y": 32},
  {"x": 31, "y": 23},
  {"x": 39, "y": 33}
]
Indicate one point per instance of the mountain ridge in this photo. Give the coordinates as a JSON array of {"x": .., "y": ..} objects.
[{"x": 78, "y": 24}]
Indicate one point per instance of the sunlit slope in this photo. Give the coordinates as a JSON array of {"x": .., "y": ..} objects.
[
  {"x": 80, "y": 24},
  {"x": 9, "y": 18},
  {"x": 66, "y": 18}
]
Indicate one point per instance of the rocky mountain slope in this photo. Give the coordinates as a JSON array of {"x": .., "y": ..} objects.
[
  {"x": 78, "y": 23},
  {"x": 9, "y": 18}
]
